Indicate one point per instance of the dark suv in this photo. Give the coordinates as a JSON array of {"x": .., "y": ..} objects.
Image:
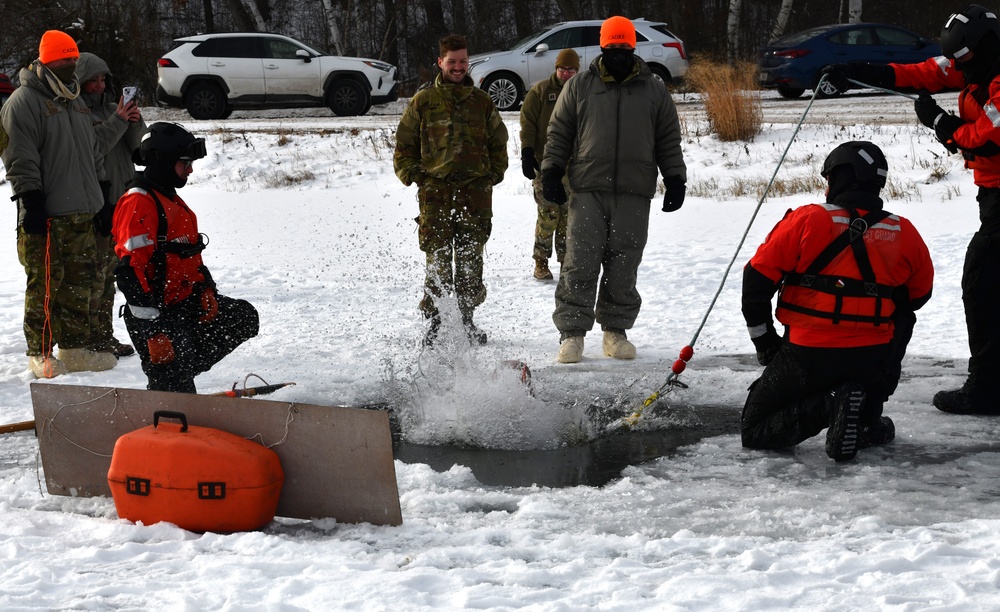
[{"x": 213, "y": 74}]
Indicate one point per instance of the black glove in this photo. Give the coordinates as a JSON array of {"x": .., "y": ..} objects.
[
  {"x": 876, "y": 75},
  {"x": 552, "y": 187},
  {"x": 528, "y": 163},
  {"x": 945, "y": 130},
  {"x": 103, "y": 218},
  {"x": 927, "y": 109},
  {"x": 35, "y": 218},
  {"x": 673, "y": 196},
  {"x": 767, "y": 345}
]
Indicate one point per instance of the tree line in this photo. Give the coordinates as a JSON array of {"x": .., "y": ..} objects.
[{"x": 132, "y": 34}]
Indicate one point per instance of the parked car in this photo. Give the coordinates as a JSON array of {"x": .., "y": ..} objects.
[
  {"x": 6, "y": 88},
  {"x": 792, "y": 64},
  {"x": 213, "y": 74},
  {"x": 507, "y": 75}
]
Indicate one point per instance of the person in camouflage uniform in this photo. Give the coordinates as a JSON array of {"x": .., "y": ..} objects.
[
  {"x": 119, "y": 128},
  {"x": 535, "y": 114},
  {"x": 56, "y": 176},
  {"x": 452, "y": 143}
]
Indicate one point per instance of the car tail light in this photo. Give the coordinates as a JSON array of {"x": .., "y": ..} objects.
[
  {"x": 165, "y": 63},
  {"x": 791, "y": 53},
  {"x": 679, "y": 47}
]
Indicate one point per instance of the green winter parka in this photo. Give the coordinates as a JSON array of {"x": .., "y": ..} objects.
[
  {"x": 451, "y": 132},
  {"x": 52, "y": 148},
  {"x": 614, "y": 136},
  {"x": 536, "y": 111},
  {"x": 116, "y": 137}
]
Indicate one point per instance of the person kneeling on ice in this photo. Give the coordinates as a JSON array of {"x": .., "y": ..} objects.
[
  {"x": 177, "y": 321},
  {"x": 850, "y": 276}
]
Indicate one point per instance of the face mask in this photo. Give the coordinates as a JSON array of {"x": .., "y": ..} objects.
[
  {"x": 66, "y": 74},
  {"x": 618, "y": 62}
]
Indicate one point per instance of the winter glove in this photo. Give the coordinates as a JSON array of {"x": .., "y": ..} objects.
[
  {"x": 102, "y": 220},
  {"x": 528, "y": 163},
  {"x": 673, "y": 196},
  {"x": 767, "y": 345},
  {"x": 35, "y": 220},
  {"x": 161, "y": 350},
  {"x": 875, "y": 75},
  {"x": 927, "y": 109},
  {"x": 209, "y": 305},
  {"x": 945, "y": 130},
  {"x": 552, "y": 187}
]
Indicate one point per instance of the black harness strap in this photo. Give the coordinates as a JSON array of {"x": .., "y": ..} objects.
[{"x": 843, "y": 287}]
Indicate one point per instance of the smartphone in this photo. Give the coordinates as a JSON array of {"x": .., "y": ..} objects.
[{"x": 128, "y": 94}]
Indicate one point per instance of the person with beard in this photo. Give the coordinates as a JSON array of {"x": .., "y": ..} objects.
[
  {"x": 452, "y": 143},
  {"x": 179, "y": 323},
  {"x": 56, "y": 175},
  {"x": 119, "y": 128},
  {"x": 970, "y": 41},
  {"x": 849, "y": 276},
  {"x": 613, "y": 126}
]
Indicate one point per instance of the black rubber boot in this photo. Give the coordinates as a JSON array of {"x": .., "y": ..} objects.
[{"x": 845, "y": 421}]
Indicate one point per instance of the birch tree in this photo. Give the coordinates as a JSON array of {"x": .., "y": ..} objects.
[
  {"x": 782, "y": 20},
  {"x": 332, "y": 28},
  {"x": 854, "y": 11},
  {"x": 733, "y": 28}
]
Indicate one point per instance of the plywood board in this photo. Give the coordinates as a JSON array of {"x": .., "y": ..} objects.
[{"x": 338, "y": 462}]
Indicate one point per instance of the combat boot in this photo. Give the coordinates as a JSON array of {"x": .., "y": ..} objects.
[
  {"x": 970, "y": 399},
  {"x": 46, "y": 367},
  {"x": 844, "y": 411},
  {"x": 882, "y": 431},
  {"x": 476, "y": 335},
  {"x": 86, "y": 360},
  {"x": 616, "y": 344},
  {"x": 542, "y": 271},
  {"x": 571, "y": 350}
]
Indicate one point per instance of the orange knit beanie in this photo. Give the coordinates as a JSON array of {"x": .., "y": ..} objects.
[
  {"x": 56, "y": 45},
  {"x": 617, "y": 30}
]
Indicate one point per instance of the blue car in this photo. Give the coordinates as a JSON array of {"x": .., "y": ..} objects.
[{"x": 792, "y": 64}]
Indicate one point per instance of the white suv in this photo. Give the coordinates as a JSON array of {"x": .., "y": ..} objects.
[
  {"x": 213, "y": 74},
  {"x": 507, "y": 75}
]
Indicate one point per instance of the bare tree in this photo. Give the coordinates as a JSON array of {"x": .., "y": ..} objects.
[
  {"x": 781, "y": 22},
  {"x": 854, "y": 11},
  {"x": 733, "y": 29}
]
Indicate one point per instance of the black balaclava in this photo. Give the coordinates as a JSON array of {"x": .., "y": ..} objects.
[
  {"x": 162, "y": 175},
  {"x": 66, "y": 74},
  {"x": 985, "y": 57},
  {"x": 618, "y": 62},
  {"x": 845, "y": 190}
]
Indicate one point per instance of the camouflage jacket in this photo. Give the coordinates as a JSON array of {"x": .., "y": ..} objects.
[
  {"x": 451, "y": 132},
  {"x": 536, "y": 112}
]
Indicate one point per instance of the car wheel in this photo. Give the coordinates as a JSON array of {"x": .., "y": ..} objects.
[
  {"x": 663, "y": 73},
  {"x": 504, "y": 89},
  {"x": 205, "y": 101},
  {"x": 347, "y": 98},
  {"x": 825, "y": 89},
  {"x": 790, "y": 92}
]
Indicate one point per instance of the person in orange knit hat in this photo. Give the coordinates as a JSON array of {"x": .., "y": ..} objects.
[{"x": 56, "y": 173}]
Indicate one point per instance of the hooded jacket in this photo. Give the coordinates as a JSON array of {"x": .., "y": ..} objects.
[
  {"x": 612, "y": 136},
  {"x": 52, "y": 148},
  {"x": 116, "y": 137}
]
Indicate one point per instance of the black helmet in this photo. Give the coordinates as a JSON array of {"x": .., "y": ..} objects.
[
  {"x": 168, "y": 142},
  {"x": 965, "y": 29},
  {"x": 869, "y": 164}
]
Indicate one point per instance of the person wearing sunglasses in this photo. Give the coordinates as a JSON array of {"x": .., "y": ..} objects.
[{"x": 180, "y": 325}]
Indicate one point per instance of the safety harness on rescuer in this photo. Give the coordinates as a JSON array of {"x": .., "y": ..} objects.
[{"x": 838, "y": 286}]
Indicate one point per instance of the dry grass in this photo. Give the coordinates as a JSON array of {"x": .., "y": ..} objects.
[{"x": 731, "y": 96}]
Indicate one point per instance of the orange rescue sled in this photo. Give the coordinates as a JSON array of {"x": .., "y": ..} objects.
[{"x": 198, "y": 478}]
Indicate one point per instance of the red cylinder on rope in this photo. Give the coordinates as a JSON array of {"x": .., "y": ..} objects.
[
  {"x": 678, "y": 366},
  {"x": 687, "y": 353}
]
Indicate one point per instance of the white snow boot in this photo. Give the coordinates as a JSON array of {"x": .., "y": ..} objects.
[
  {"x": 86, "y": 360},
  {"x": 571, "y": 350},
  {"x": 46, "y": 367},
  {"x": 617, "y": 345}
]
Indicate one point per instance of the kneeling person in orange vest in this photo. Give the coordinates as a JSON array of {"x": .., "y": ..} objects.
[
  {"x": 849, "y": 276},
  {"x": 177, "y": 321}
]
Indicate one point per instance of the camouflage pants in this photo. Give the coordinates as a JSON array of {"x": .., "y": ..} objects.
[
  {"x": 102, "y": 297},
  {"x": 455, "y": 223},
  {"x": 72, "y": 255},
  {"x": 551, "y": 222}
]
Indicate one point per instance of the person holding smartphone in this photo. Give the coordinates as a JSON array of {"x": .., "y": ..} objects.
[{"x": 119, "y": 127}]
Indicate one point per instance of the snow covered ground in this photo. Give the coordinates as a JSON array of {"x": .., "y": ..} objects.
[{"x": 308, "y": 222}]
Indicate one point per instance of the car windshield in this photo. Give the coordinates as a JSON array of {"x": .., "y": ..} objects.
[
  {"x": 799, "y": 37},
  {"x": 524, "y": 40}
]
